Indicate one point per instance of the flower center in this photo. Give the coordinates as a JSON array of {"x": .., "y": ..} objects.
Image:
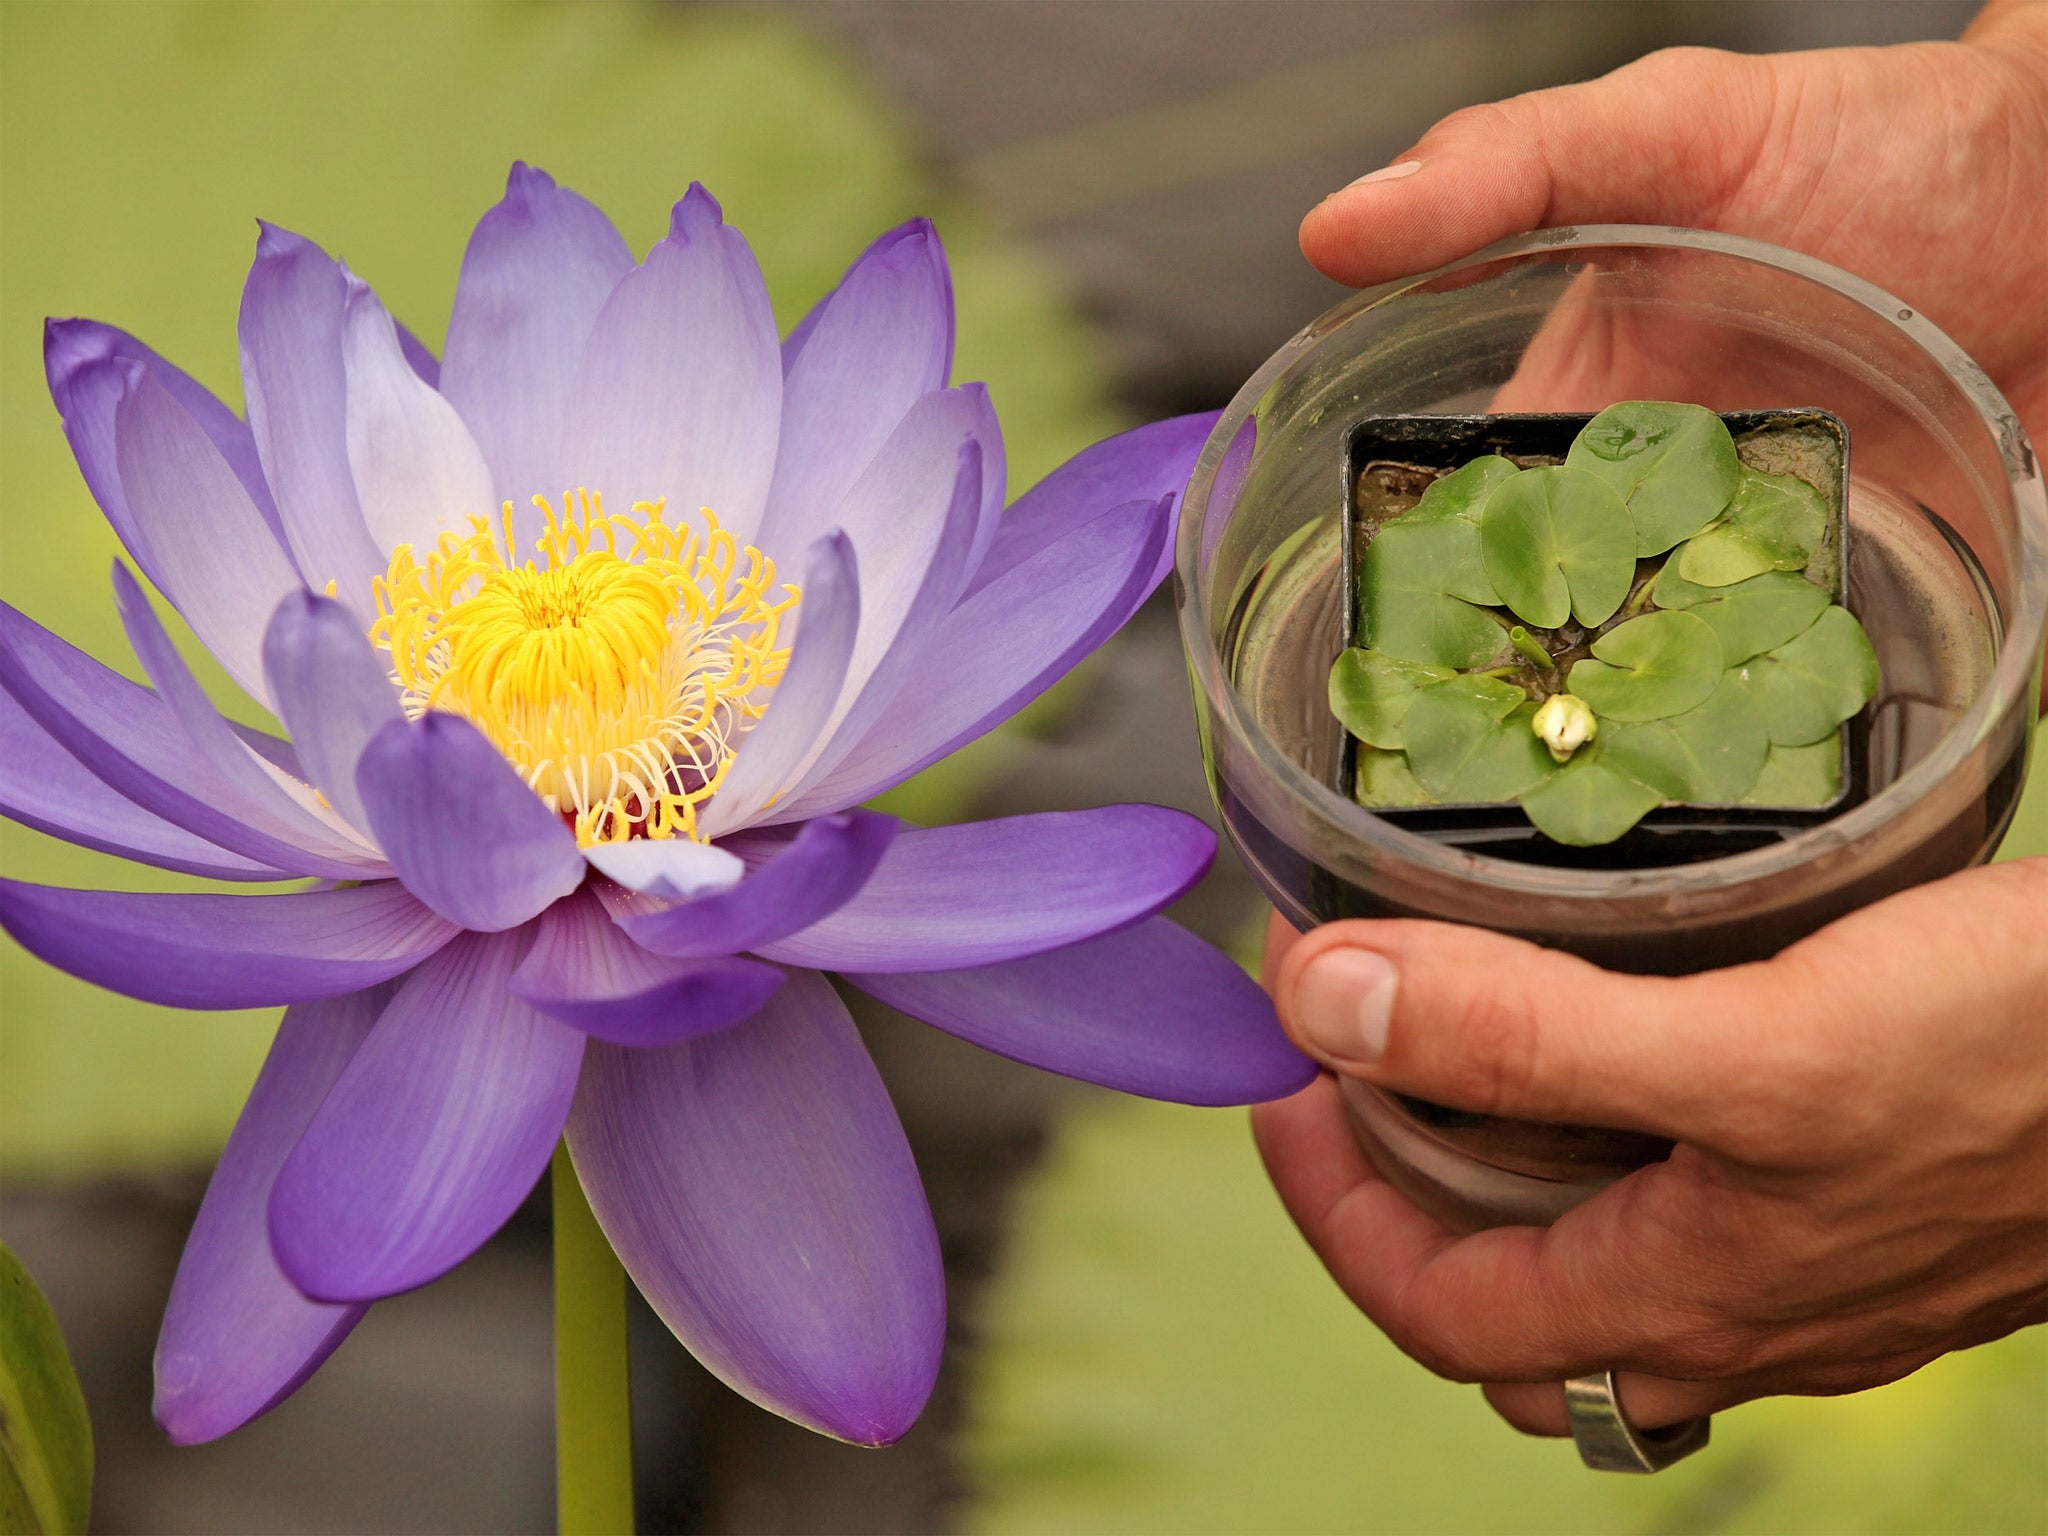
[{"x": 616, "y": 672}]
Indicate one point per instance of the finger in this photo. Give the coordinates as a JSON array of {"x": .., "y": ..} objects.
[
  {"x": 1479, "y": 1021},
  {"x": 1280, "y": 937},
  {"x": 1664, "y": 140}
]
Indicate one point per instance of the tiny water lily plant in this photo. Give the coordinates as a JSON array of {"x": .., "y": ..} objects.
[
  {"x": 1651, "y": 621},
  {"x": 590, "y": 637}
]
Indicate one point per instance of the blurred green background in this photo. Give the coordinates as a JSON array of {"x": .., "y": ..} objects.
[{"x": 1159, "y": 1353}]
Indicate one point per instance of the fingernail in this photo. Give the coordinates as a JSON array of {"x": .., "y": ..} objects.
[
  {"x": 1387, "y": 173},
  {"x": 1344, "y": 1002}
]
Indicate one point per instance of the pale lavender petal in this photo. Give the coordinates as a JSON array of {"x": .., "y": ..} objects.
[
  {"x": 806, "y": 877},
  {"x": 201, "y": 950},
  {"x": 239, "y": 1338},
  {"x": 673, "y": 868},
  {"x": 460, "y": 826},
  {"x": 770, "y": 754},
  {"x": 45, "y": 787},
  {"x": 946, "y": 898},
  {"x": 679, "y": 394},
  {"x": 210, "y": 550},
  {"x": 865, "y": 694},
  {"x": 760, "y": 1192},
  {"x": 130, "y": 739},
  {"x": 431, "y": 1136},
  {"x": 331, "y": 693},
  {"x": 291, "y": 330},
  {"x": 417, "y": 471},
  {"x": 1005, "y": 645},
  {"x": 268, "y": 800},
  {"x": 1151, "y": 1010},
  {"x": 538, "y": 269},
  {"x": 583, "y": 971},
  {"x": 419, "y": 359},
  {"x": 79, "y": 360},
  {"x": 1143, "y": 464},
  {"x": 872, "y": 348}
]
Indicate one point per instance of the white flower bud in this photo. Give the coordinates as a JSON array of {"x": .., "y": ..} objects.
[{"x": 1566, "y": 723}]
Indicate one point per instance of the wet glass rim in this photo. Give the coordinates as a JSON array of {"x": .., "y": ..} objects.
[{"x": 2013, "y": 673}]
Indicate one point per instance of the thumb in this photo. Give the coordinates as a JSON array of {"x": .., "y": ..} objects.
[
  {"x": 1665, "y": 140},
  {"x": 1479, "y": 1021}
]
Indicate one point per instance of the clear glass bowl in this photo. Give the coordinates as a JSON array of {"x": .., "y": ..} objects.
[{"x": 1947, "y": 569}]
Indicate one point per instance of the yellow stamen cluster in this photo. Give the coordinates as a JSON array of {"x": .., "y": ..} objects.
[{"x": 615, "y": 672}]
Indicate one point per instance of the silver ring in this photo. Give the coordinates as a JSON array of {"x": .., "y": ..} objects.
[{"x": 1608, "y": 1442}]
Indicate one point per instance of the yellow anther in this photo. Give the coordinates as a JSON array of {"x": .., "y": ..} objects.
[{"x": 615, "y": 672}]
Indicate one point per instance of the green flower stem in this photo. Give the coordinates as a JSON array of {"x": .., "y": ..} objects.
[{"x": 593, "y": 1416}]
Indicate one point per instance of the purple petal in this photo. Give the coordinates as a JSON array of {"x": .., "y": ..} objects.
[
  {"x": 238, "y": 1337},
  {"x": 1151, "y": 1010},
  {"x": 538, "y": 269},
  {"x": 291, "y": 328},
  {"x": 679, "y": 394},
  {"x": 583, "y": 971},
  {"x": 78, "y": 360},
  {"x": 431, "y": 1136},
  {"x": 130, "y": 739},
  {"x": 873, "y": 347},
  {"x": 1143, "y": 464},
  {"x": 201, "y": 950},
  {"x": 903, "y": 626},
  {"x": 210, "y": 549},
  {"x": 770, "y": 754},
  {"x": 945, "y": 898},
  {"x": 806, "y": 877},
  {"x": 1004, "y": 646},
  {"x": 331, "y": 694},
  {"x": 460, "y": 826},
  {"x": 45, "y": 787},
  {"x": 419, "y": 359},
  {"x": 268, "y": 800},
  {"x": 758, "y": 1188},
  {"x": 673, "y": 868},
  {"x": 417, "y": 471}
]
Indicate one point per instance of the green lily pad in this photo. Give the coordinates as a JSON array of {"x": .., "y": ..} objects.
[
  {"x": 1558, "y": 544},
  {"x": 1710, "y": 755},
  {"x": 1661, "y": 664},
  {"x": 1775, "y": 523},
  {"x": 1815, "y": 681},
  {"x": 1802, "y": 776},
  {"x": 1386, "y": 782},
  {"x": 1418, "y": 581},
  {"x": 1370, "y": 692},
  {"x": 1588, "y": 801},
  {"x": 1463, "y": 492},
  {"x": 1470, "y": 741},
  {"x": 1752, "y": 616},
  {"x": 1675, "y": 466}
]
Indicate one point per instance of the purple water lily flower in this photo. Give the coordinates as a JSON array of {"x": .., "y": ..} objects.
[{"x": 576, "y": 763}]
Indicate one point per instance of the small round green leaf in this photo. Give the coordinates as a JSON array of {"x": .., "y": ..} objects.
[
  {"x": 1588, "y": 801},
  {"x": 1386, "y": 782},
  {"x": 1470, "y": 741},
  {"x": 1675, "y": 466},
  {"x": 1775, "y": 523},
  {"x": 1417, "y": 583},
  {"x": 1661, "y": 664},
  {"x": 1463, "y": 492},
  {"x": 1752, "y": 616},
  {"x": 1815, "y": 681},
  {"x": 1800, "y": 776},
  {"x": 1558, "y": 544},
  {"x": 45, "y": 1435},
  {"x": 1370, "y": 692},
  {"x": 1710, "y": 755}
]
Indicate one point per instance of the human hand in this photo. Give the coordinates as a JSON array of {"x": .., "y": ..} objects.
[
  {"x": 1919, "y": 167},
  {"x": 1860, "y": 1182}
]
